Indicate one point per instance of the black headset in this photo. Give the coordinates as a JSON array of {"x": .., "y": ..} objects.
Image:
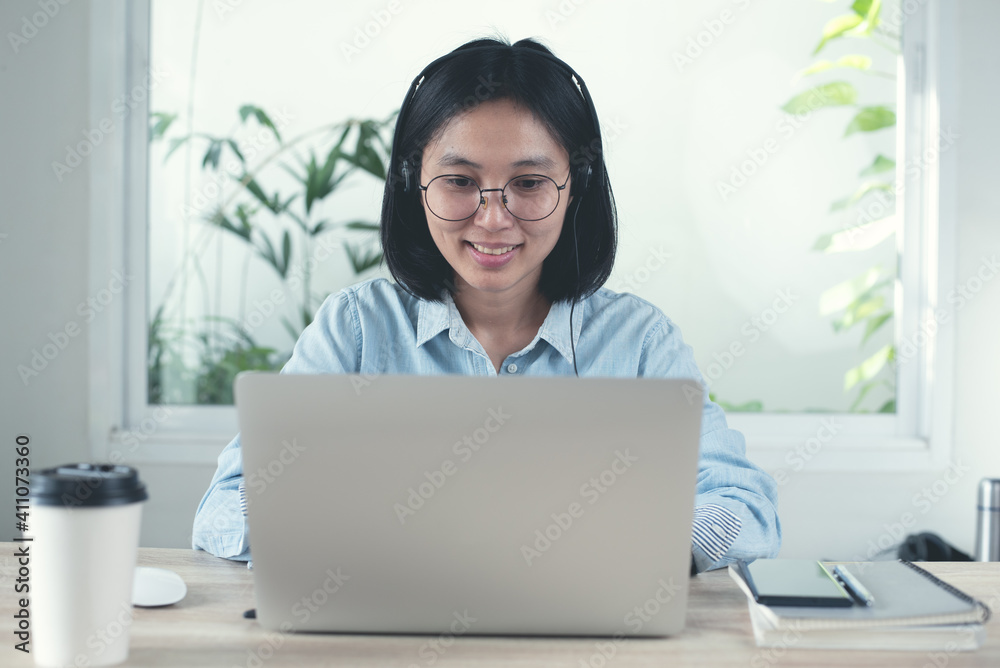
[{"x": 582, "y": 175}]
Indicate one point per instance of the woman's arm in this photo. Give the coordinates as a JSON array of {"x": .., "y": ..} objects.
[
  {"x": 735, "y": 501},
  {"x": 330, "y": 344}
]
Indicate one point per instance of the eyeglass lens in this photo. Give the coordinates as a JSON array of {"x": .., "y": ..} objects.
[{"x": 529, "y": 197}]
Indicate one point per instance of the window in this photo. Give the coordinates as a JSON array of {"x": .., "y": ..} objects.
[{"x": 723, "y": 197}]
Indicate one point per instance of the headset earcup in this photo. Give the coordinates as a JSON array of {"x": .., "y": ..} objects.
[
  {"x": 582, "y": 182},
  {"x": 404, "y": 167}
]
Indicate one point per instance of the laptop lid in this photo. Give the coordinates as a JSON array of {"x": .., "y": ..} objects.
[{"x": 521, "y": 505}]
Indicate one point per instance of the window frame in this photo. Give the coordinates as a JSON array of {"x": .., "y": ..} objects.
[{"x": 916, "y": 437}]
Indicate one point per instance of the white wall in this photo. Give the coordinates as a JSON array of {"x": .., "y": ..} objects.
[
  {"x": 43, "y": 259},
  {"x": 44, "y": 268}
]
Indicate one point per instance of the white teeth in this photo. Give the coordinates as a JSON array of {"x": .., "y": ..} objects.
[{"x": 493, "y": 251}]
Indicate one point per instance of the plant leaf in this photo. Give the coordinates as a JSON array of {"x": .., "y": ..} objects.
[
  {"x": 865, "y": 188},
  {"x": 267, "y": 252},
  {"x": 869, "y": 9},
  {"x": 861, "y": 7},
  {"x": 837, "y": 27},
  {"x": 857, "y": 62},
  {"x": 857, "y": 311},
  {"x": 881, "y": 164},
  {"x": 247, "y": 109},
  {"x": 874, "y": 324},
  {"x": 235, "y": 149},
  {"x": 319, "y": 227},
  {"x": 859, "y": 237},
  {"x": 888, "y": 407},
  {"x": 870, "y": 119},
  {"x": 243, "y": 231},
  {"x": 212, "y": 154},
  {"x": 286, "y": 251},
  {"x": 298, "y": 219},
  {"x": 175, "y": 144},
  {"x": 365, "y": 156},
  {"x": 362, "y": 259},
  {"x": 871, "y": 366},
  {"x": 254, "y": 188},
  {"x": 833, "y": 94},
  {"x": 863, "y": 392},
  {"x": 362, "y": 225},
  {"x": 841, "y": 295},
  {"x": 162, "y": 121},
  {"x": 752, "y": 406}
]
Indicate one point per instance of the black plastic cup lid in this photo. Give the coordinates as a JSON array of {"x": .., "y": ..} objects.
[{"x": 87, "y": 485}]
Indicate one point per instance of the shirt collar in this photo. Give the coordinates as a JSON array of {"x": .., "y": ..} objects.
[
  {"x": 435, "y": 317},
  {"x": 556, "y": 329}
]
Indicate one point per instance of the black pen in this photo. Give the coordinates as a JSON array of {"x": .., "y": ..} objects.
[{"x": 854, "y": 586}]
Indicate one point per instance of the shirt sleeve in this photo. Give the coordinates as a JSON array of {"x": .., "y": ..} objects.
[
  {"x": 330, "y": 344},
  {"x": 735, "y": 501},
  {"x": 220, "y": 525}
]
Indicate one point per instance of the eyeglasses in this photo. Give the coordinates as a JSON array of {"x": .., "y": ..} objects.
[{"x": 528, "y": 197}]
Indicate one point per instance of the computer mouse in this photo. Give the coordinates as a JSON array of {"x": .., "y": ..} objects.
[{"x": 152, "y": 587}]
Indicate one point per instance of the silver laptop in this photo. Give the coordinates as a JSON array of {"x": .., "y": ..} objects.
[{"x": 470, "y": 505}]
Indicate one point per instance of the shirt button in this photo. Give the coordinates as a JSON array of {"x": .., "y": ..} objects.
[{"x": 511, "y": 368}]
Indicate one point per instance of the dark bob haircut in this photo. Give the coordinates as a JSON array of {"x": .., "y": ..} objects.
[{"x": 529, "y": 75}]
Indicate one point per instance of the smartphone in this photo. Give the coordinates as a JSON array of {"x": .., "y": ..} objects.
[{"x": 794, "y": 582}]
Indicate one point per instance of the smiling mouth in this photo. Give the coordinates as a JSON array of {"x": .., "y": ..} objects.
[{"x": 493, "y": 251}]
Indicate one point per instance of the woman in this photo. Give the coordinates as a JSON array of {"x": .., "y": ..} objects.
[{"x": 499, "y": 228}]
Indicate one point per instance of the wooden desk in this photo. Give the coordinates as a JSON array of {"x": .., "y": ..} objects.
[{"x": 207, "y": 629}]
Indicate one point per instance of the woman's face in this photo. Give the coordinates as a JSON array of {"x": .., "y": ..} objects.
[{"x": 492, "y": 251}]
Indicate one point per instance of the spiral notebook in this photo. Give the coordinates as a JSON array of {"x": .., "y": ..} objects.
[{"x": 904, "y": 595}]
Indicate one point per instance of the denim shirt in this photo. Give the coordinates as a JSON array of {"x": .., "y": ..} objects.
[{"x": 375, "y": 327}]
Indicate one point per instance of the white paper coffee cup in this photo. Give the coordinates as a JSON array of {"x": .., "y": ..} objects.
[{"x": 85, "y": 526}]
